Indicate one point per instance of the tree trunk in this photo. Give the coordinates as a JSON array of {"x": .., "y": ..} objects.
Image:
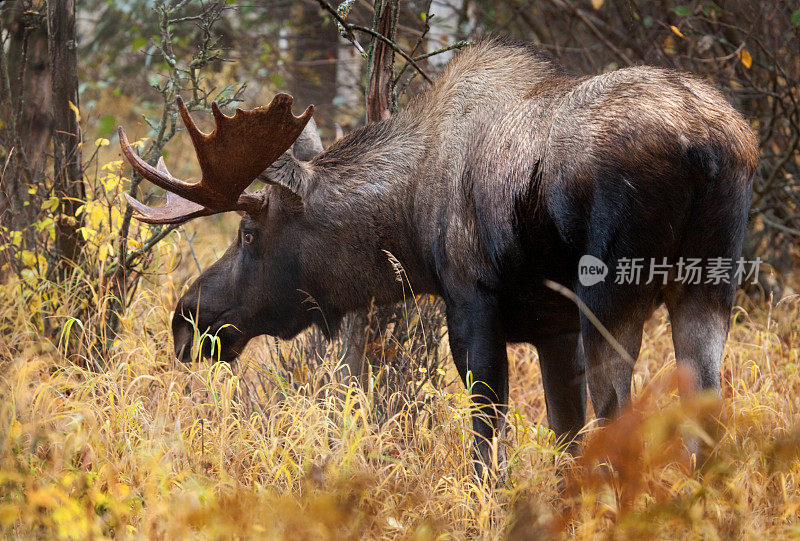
[
  {"x": 68, "y": 179},
  {"x": 381, "y": 102},
  {"x": 26, "y": 113}
]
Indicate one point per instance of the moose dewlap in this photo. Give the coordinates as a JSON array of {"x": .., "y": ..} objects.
[{"x": 492, "y": 184}]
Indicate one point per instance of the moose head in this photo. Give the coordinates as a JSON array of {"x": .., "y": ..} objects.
[{"x": 230, "y": 300}]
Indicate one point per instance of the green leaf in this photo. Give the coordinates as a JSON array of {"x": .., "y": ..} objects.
[
  {"x": 647, "y": 22},
  {"x": 682, "y": 11},
  {"x": 138, "y": 43},
  {"x": 63, "y": 340},
  {"x": 796, "y": 18},
  {"x": 107, "y": 124},
  {"x": 423, "y": 16}
]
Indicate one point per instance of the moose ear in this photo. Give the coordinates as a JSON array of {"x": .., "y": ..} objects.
[
  {"x": 308, "y": 144},
  {"x": 290, "y": 173}
]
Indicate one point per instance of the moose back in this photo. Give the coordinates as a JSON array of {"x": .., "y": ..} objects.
[{"x": 492, "y": 183}]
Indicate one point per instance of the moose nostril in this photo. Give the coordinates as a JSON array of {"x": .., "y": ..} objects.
[{"x": 182, "y": 336}]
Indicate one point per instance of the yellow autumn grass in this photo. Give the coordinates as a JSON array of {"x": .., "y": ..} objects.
[{"x": 134, "y": 446}]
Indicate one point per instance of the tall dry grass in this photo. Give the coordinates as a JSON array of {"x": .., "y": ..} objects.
[{"x": 133, "y": 445}]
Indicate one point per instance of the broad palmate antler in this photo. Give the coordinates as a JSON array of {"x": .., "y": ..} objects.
[{"x": 231, "y": 157}]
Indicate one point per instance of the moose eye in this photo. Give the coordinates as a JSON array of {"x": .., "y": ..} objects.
[{"x": 247, "y": 237}]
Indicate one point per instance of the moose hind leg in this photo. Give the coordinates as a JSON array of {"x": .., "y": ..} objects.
[
  {"x": 700, "y": 316},
  {"x": 609, "y": 368},
  {"x": 564, "y": 381}
]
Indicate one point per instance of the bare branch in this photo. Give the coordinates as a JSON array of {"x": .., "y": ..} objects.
[{"x": 349, "y": 28}]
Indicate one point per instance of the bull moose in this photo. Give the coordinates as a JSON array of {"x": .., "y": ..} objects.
[{"x": 489, "y": 185}]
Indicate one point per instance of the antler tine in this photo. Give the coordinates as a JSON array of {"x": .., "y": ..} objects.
[
  {"x": 219, "y": 116},
  {"x": 188, "y": 121},
  {"x": 162, "y": 166},
  {"x": 176, "y": 210}
]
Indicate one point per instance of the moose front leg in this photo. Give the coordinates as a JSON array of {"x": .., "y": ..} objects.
[{"x": 479, "y": 353}]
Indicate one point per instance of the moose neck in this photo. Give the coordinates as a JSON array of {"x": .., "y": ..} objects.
[{"x": 361, "y": 204}]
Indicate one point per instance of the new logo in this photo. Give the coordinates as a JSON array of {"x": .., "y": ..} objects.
[{"x": 591, "y": 270}]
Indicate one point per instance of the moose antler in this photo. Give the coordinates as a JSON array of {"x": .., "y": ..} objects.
[{"x": 231, "y": 157}]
